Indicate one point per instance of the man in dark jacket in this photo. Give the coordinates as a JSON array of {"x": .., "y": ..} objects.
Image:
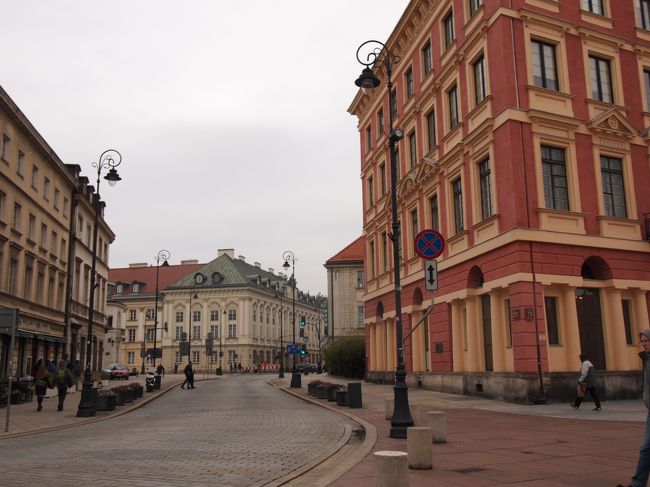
[
  {"x": 189, "y": 376},
  {"x": 640, "y": 478},
  {"x": 586, "y": 382}
]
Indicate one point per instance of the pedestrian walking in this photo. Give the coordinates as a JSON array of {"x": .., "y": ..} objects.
[
  {"x": 77, "y": 373},
  {"x": 189, "y": 376},
  {"x": 63, "y": 380},
  {"x": 160, "y": 370},
  {"x": 51, "y": 367},
  {"x": 640, "y": 478},
  {"x": 176, "y": 368},
  {"x": 41, "y": 382},
  {"x": 586, "y": 383}
]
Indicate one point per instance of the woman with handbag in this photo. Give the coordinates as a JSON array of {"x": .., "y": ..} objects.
[
  {"x": 586, "y": 383},
  {"x": 41, "y": 377}
]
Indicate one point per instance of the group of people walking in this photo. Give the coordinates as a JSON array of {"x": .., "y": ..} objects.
[{"x": 49, "y": 375}]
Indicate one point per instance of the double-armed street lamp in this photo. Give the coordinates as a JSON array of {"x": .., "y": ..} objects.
[
  {"x": 289, "y": 256},
  {"x": 109, "y": 160},
  {"x": 163, "y": 256},
  {"x": 379, "y": 53}
]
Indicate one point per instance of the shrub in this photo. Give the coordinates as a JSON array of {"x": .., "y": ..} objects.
[{"x": 346, "y": 357}]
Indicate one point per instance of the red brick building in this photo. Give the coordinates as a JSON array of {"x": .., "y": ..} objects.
[{"x": 526, "y": 145}]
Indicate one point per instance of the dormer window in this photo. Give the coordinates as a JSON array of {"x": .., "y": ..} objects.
[
  {"x": 119, "y": 289},
  {"x": 135, "y": 288}
]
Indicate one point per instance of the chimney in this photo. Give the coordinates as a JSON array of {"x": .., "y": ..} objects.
[
  {"x": 138, "y": 265},
  {"x": 229, "y": 252},
  {"x": 190, "y": 261},
  {"x": 271, "y": 270},
  {"x": 257, "y": 264},
  {"x": 242, "y": 258}
]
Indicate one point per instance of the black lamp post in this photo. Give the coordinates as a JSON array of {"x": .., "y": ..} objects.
[
  {"x": 109, "y": 159},
  {"x": 289, "y": 256},
  {"x": 367, "y": 82},
  {"x": 163, "y": 256},
  {"x": 280, "y": 292}
]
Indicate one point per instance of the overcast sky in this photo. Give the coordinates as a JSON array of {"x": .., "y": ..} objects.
[{"x": 231, "y": 117}]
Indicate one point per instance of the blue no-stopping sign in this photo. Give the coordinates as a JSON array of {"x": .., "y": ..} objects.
[{"x": 429, "y": 244}]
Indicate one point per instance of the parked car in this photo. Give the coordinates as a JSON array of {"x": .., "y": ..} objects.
[
  {"x": 119, "y": 372},
  {"x": 306, "y": 368}
]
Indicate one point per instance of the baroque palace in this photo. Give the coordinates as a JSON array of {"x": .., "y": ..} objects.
[
  {"x": 247, "y": 310},
  {"x": 526, "y": 128},
  {"x": 46, "y": 218}
]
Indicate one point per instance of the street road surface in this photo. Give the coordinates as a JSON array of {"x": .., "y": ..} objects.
[{"x": 237, "y": 431}]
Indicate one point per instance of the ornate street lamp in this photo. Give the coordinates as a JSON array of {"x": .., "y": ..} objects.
[
  {"x": 280, "y": 292},
  {"x": 109, "y": 159},
  {"x": 163, "y": 256},
  {"x": 289, "y": 256},
  {"x": 367, "y": 82}
]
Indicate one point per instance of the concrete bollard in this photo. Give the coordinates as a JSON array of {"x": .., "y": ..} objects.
[
  {"x": 438, "y": 424},
  {"x": 416, "y": 412},
  {"x": 391, "y": 469},
  {"x": 389, "y": 406},
  {"x": 419, "y": 447}
]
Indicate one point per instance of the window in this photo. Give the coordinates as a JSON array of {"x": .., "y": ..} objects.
[
  {"x": 12, "y": 277},
  {"x": 646, "y": 79},
  {"x": 3, "y": 204},
  {"x": 433, "y": 205},
  {"x": 408, "y": 79},
  {"x": 27, "y": 285},
  {"x": 135, "y": 287},
  {"x": 195, "y": 357},
  {"x": 601, "y": 79},
  {"x": 384, "y": 251},
  {"x": 131, "y": 332},
  {"x": 179, "y": 333},
  {"x": 232, "y": 330},
  {"x": 196, "y": 316},
  {"x": 232, "y": 314},
  {"x": 382, "y": 178},
  {"x": 232, "y": 356},
  {"x": 360, "y": 279},
  {"x": 130, "y": 358},
  {"x": 480, "y": 91},
  {"x": 593, "y": 6},
  {"x": 371, "y": 193},
  {"x": 66, "y": 207},
  {"x": 627, "y": 321},
  {"x": 414, "y": 223},
  {"x": 15, "y": 220},
  {"x": 132, "y": 314},
  {"x": 214, "y": 315},
  {"x": 43, "y": 238},
  {"x": 613, "y": 187},
  {"x": 34, "y": 177},
  {"x": 380, "y": 122},
  {"x": 448, "y": 26},
  {"x": 20, "y": 168},
  {"x": 149, "y": 314},
  {"x": 54, "y": 240},
  {"x": 392, "y": 100},
  {"x": 57, "y": 198},
  {"x": 426, "y": 58},
  {"x": 413, "y": 149},
  {"x": 431, "y": 129},
  {"x": 368, "y": 137},
  {"x": 457, "y": 191},
  {"x": 149, "y": 335},
  {"x": 4, "y": 150},
  {"x": 360, "y": 316},
  {"x": 371, "y": 264},
  {"x": 452, "y": 97},
  {"x": 486, "y": 189},
  {"x": 214, "y": 329},
  {"x": 474, "y": 5},
  {"x": 556, "y": 195},
  {"x": 643, "y": 13},
  {"x": 31, "y": 227},
  {"x": 550, "y": 304},
  {"x": 196, "y": 332},
  {"x": 119, "y": 289},
  {"x": 544, "y": 66},
  {"x": 64, "y": 254},
  {"x": 46, "y": 189}
]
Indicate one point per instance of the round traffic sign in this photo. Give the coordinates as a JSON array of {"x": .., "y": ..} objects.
[{"x": 429, "y": 244}]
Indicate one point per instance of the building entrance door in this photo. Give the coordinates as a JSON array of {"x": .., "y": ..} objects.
[
  {"x": 486, "y": 311},
  {"x": 590, "y": 325}
]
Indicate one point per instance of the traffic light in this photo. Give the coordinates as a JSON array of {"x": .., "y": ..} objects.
[
  {"x": 302, "y": 332},
  {"x": 303, "y": 350},
  {"x": 302, "y": 322}
]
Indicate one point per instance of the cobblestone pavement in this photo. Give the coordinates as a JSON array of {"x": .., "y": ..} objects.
[{"x": 232, "y": 432}]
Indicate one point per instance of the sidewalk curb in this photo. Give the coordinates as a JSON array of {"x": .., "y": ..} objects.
[
  {"x": 94, "y": 419},
  {"x": 349, "y": 462}
]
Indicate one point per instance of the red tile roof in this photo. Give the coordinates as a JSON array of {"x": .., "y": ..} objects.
[
  {"x": 353, "y": 252},
  {"x": 147, "y": 275}
]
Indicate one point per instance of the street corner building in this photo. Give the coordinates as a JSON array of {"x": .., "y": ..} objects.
[
  {"x": 526, "y": 127},
  {"x": 47, "y": 212},
  {"x": 223, "y": 313}
]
